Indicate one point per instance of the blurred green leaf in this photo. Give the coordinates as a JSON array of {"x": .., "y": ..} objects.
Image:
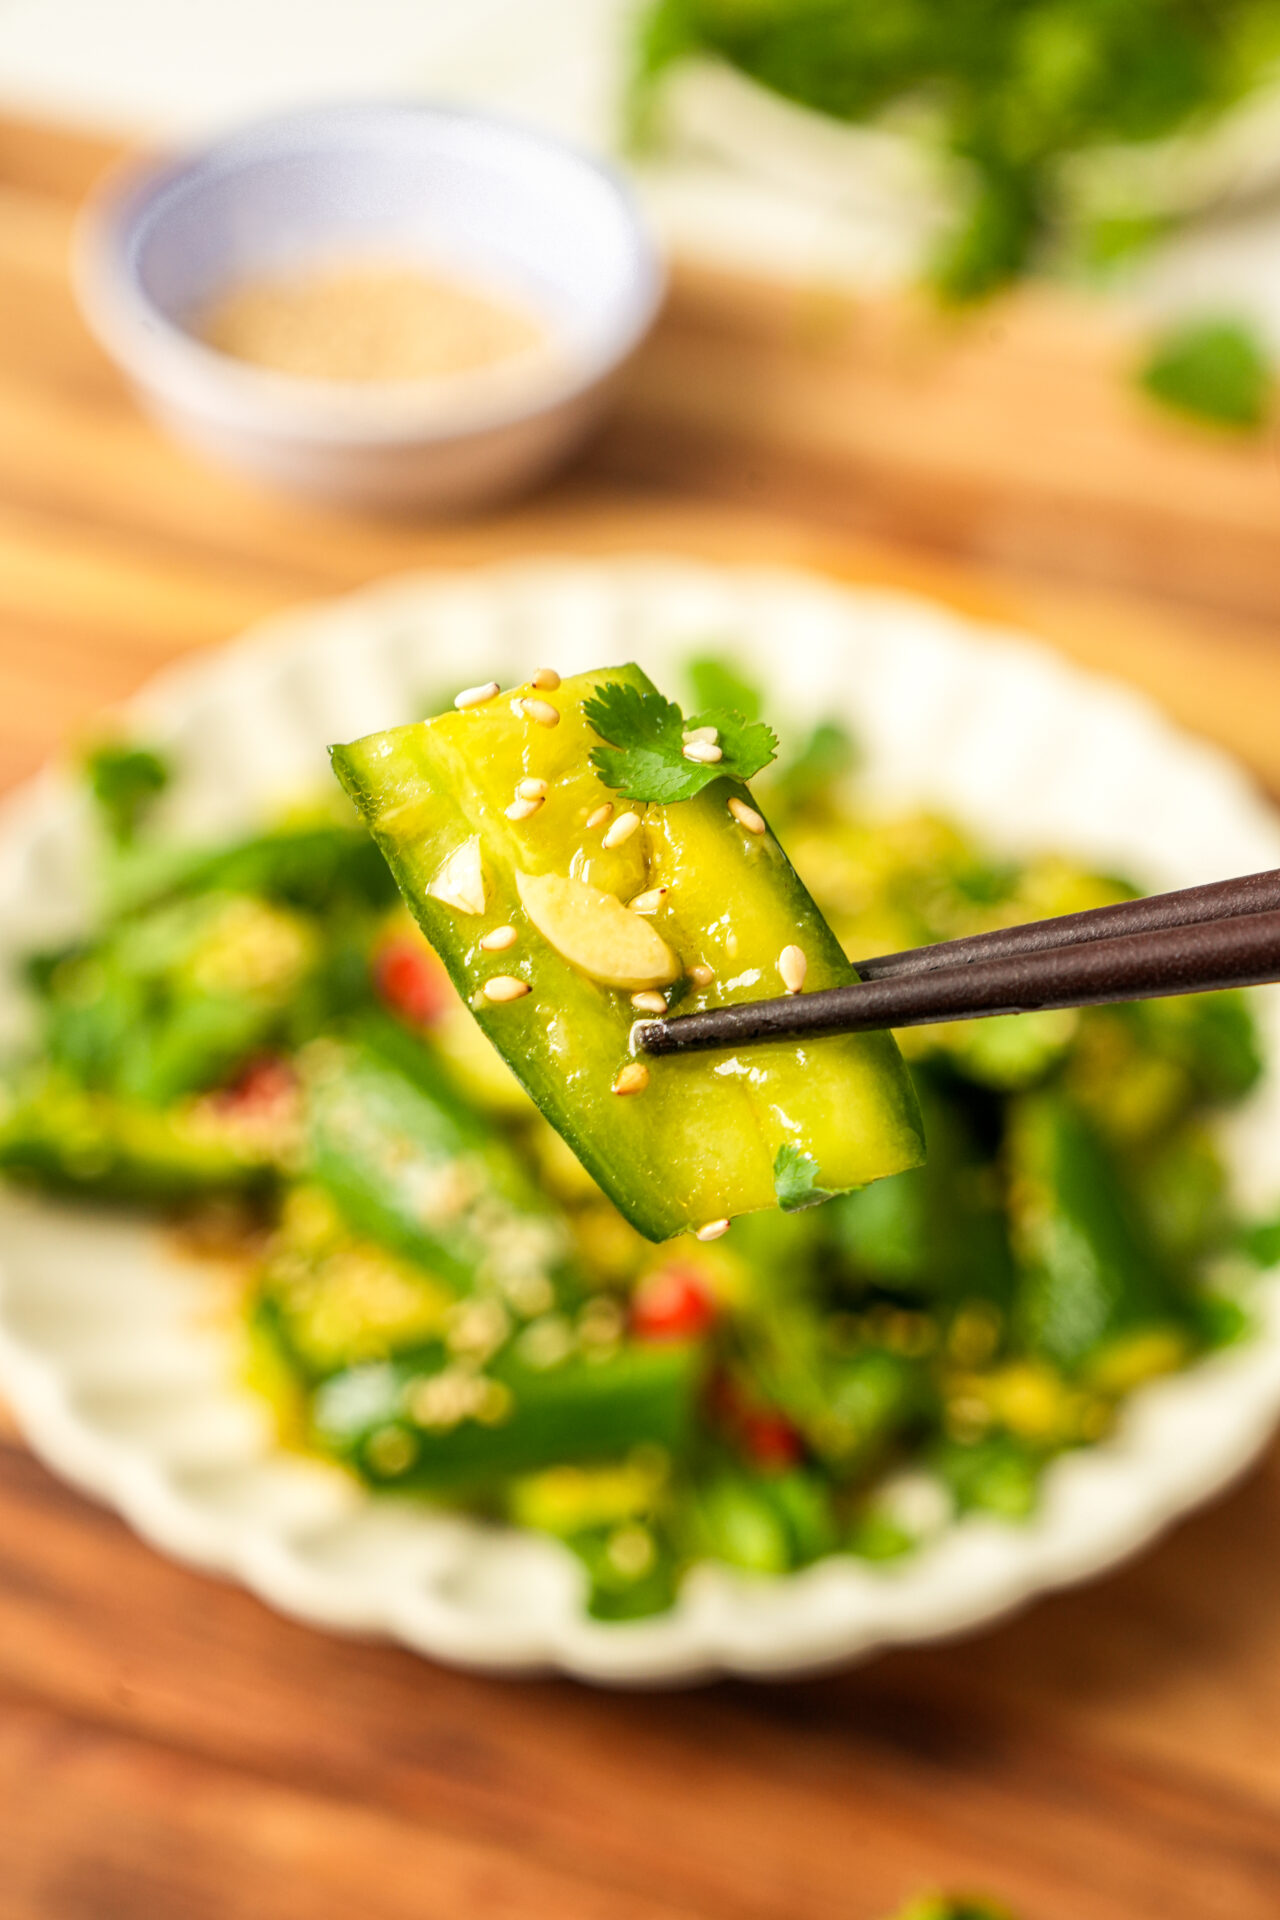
[
  {"x": 1214, "y": 370},
  {"x": 125, "y": 781}
]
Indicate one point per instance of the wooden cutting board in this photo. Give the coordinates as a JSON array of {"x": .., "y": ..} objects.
[{"x": 168, "y": 1747}]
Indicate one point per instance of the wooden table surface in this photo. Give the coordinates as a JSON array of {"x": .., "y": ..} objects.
[{"x": 169, "y": 1748}]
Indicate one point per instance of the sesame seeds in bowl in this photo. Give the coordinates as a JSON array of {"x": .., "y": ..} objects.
[{"x": 446, "y": 192}]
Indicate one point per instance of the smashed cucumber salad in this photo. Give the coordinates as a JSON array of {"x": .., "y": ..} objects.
[{"x": 716, "y": 1307}]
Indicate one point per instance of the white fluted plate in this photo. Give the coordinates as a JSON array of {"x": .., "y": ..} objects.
[{"x": 120, "y": 1357}]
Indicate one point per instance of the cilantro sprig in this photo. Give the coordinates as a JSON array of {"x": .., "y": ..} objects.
[
  {"x": 795, "y": 1180},
  {"x": 125, "y": 782},
  {"x": 643, "y": 758}
]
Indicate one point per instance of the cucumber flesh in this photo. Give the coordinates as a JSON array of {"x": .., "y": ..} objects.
[{"x": 702, "y": 1139}]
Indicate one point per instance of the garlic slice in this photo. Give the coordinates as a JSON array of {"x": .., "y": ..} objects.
[
  {"x": 460, "y": 881},
  {"x": 594, "y": 932}
]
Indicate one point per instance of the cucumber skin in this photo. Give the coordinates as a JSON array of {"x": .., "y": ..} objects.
[
  {"x": 666, "y": 1159},
  {"x": 582, "y": 1410},
  {"x": 58, "y": 1136},
  {"x": 381, "y": 1110},
  {"x": 1089, "y": 1271}
]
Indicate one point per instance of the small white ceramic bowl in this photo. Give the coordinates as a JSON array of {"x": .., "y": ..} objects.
[{"x": 459, "y": 193}]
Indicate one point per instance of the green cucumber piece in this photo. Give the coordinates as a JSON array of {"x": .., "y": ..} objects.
[
  {"x": 702, "y": 1139},
  {"x": 174, "y": 1000},
  {"x": 55, "y": 1134},
  {"x": 330, "y": 1301},
  {"x": 764, "y": 1524},
  {"x": 938, "y": 1232},
  {"x": 612, "y": 1518},
  {"x": 525, "y": 1416},
  {"x": 941, "y": 1906},
  {"x": 1091, "y": 1273},
  {"x": 850, "y": 1408},
  {"x": 997, "y": 1474},
  {"x": 410, "y": 1165},
  {"x": 312, "y": 865}
]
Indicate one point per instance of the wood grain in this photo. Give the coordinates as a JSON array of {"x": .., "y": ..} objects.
[
  {"x": 1015, "y": 435},
  {"x": 170, "y": 1748}
]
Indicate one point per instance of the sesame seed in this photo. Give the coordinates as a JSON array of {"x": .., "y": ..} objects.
[
  {"x": 650, "y": 901},
  {"x": 477, "y": 1326},
  {"x": 546, "y": 1343},
  {"x": 708, "y": 735},
  {"x": 390, "y": 1450},
  {"x": 522, "y": 809},
  {"x": 529, "y": 1293},
  {"x": 648, "y": 1002},
  {"x": 633, "y": 1078},
  {"x": 714, "y": 1230},
  {"x": 476, "y": 696},
  {"x": 494, "y": 1403},
  {"x": 445, "y": 1194},
  {"x": 542, "y": 711},
  {"x": 704, "y": 752},
  {"x": 601, "y": 814},
  {"x": 793, "y": 964},
  {"x": 746, "y": 816},
  {"x": 500, "y": 938},
  {"x": 622, "y": 829},
  {"x": 441, "y": 1401},
  {"x": 505, "y": 986},
  {"x": 631, "y": 1551},
  {"x": 546, "y": 680},
  {"x": 531, "y": 789},
  {"x": 701, "y": 976},
  {"x": 601, "y": 1323}
]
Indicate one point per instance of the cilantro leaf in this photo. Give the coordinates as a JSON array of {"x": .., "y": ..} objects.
[
  {"x": 795, "y": 1180},
  {"x": 644, "y": 756},
  {"x": 1215, "y": 370},
  {"x": 825, "y": 757},
  {"x": 124, "y": 781},
  {"x": 747, "y": 745}
]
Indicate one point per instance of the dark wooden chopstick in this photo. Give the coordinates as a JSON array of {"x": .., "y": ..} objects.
[
  {"x": 1200, "y": 956},
  {"x": 1219, "y": 900}
]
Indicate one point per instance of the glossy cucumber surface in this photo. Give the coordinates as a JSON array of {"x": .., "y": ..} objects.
[
  {"x": 701, "y": 1141},
  {"x": 380, "y": 1417},
  {"x": 409, "y": 1164},
  {"x": 58, "y": 1135}
]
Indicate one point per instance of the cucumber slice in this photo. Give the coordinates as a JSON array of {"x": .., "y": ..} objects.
[
  {"x": 514, "y": 1418},
  {"x": 409, "y": 1165},
  {"x": 700, "y": 1138},
  {"x": 1092, "y": 1276},
  {"x": 55, "y": 1134}
]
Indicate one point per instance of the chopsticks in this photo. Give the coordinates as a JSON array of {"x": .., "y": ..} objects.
[{"x": 1199, "y": 940}]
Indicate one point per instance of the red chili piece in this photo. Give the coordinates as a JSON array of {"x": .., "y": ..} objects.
[
  {"x": 672, "y": 1303},
  {"x": 263, "y": 1084},
  {"x": 765, "y": 1436},
  {"x": 410, "y": 980},
  {"x": 770, "y": 1440}
]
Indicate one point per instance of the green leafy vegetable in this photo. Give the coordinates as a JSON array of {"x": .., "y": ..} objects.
[
  {"x": 1216, "y": 370},
  {"x": 827, "y": 755},
  {"x": 953, "y": 1906},
  {"x": 795, "y": 1180},
  {"x": 125, "y": 781},
  {"x": 645, "y": 758},
  {"x": 1261, "y": 1242},
  {"x": 716, "y": 682},
  {"x": 1014, "y": 94}
]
